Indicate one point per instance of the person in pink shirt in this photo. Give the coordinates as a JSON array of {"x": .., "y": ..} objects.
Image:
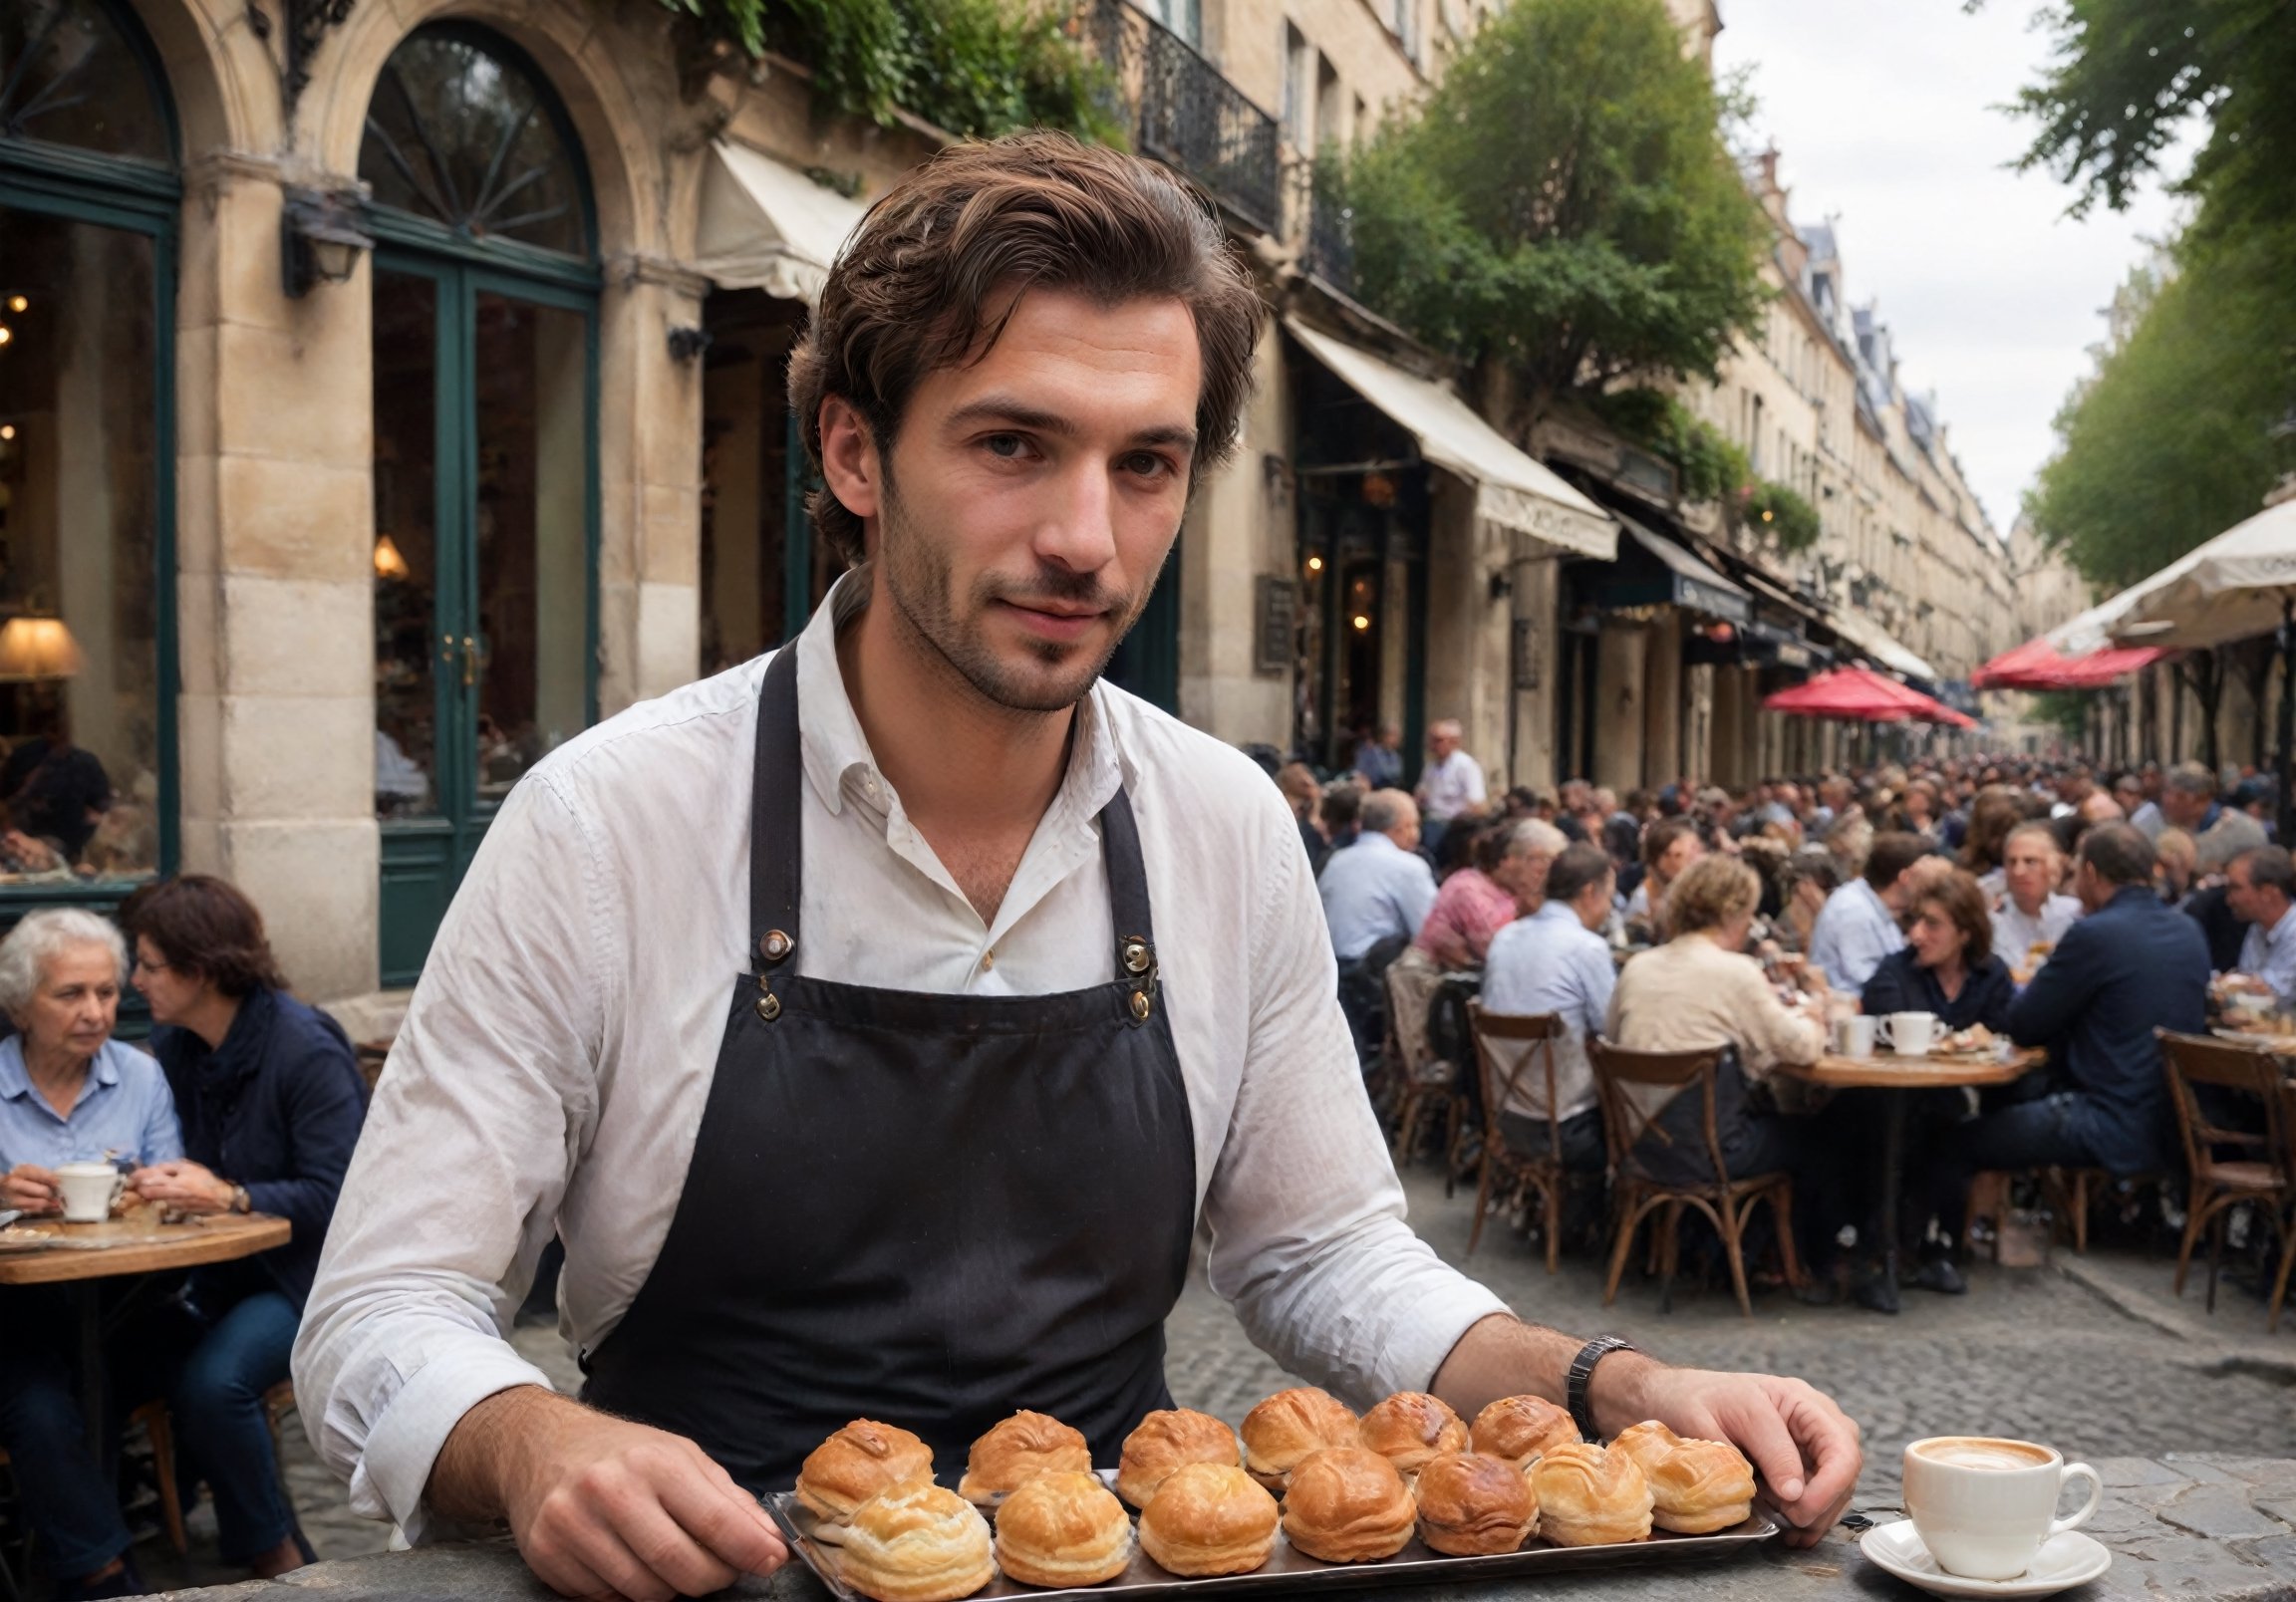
[{"x": 1506, "y": 881}]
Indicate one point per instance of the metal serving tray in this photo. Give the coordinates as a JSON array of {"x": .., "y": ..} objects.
[{"x": 1288, "y": 1570}]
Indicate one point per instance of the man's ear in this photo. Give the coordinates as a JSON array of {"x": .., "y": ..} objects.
[{"x": 849, "y": 461}]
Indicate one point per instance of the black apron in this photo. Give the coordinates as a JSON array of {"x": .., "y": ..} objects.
[{"x": 928, "y": 1210}]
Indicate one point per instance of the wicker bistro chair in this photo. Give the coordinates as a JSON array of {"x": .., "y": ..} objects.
[
  {"x": 1726, "y": 1203},
  {"x": 1508, "y": 1174},
  {"x": 2220, "y": 1186},
  {"x": 1425, "y": 1087}
]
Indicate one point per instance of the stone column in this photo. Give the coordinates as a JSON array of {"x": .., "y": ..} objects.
[
  {"x": 650, "y": 477},
  {"x": 1534, "y": 602},
  {"x": 1620, "y": 699},
  {"x": 1662, "y": 700},
  {"x": 1242, "y": 525}
]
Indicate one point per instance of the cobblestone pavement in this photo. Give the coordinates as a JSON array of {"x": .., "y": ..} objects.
[{"x": 2035, "y": 1353}]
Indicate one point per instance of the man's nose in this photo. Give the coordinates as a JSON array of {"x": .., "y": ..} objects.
[{"x": 1080, "y": 530}]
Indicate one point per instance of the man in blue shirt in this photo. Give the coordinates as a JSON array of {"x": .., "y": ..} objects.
[
  {"x": 1381, "y": 886},
  {"x": 1858, "y": 927},
  {"x": 1553, "y": 961},
  {"x": 2261, "y": 889}
]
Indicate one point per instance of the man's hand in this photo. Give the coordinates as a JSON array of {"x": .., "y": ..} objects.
[
  {"x": 1804, "y": 1447},
  {"x": 185, "y": 1186},
  {"x": 31, "y": 1189},
  {"x": 602, "y": 1506}
]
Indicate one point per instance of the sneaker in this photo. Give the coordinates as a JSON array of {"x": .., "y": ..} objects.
[{"x": 1939, "y": 1274}]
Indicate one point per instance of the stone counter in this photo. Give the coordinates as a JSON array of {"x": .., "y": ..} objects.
[{"x": 2192, "y": 1527}]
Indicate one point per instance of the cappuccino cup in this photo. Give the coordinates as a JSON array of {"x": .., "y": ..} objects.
[
  {"x": 1910, "y": 1034},
  {"x": 89, "y": 1190},
  {"x": 1854, "y": 1035},
  {"x": 1983, "y": 1505}
]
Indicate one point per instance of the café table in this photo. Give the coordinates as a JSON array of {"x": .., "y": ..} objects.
[
  {"x": 1898, "y": 1075},
  {"x": 80, "y": 1256}
]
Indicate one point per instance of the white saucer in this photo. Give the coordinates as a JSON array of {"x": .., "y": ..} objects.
[{"x": 2064, "y": 1560}]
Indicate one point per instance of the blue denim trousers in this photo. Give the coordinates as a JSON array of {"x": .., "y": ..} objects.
[{"x": 214, "y": 1373}]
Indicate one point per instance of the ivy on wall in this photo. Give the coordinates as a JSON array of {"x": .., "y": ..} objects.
[
  {"x": 1707, "y": 466},
  {"x": 1777, "y": 511},
  {"x": 977, "y": 68}
]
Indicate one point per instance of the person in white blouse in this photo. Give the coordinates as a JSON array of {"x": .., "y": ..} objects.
[{"x": 819, "y": 1009}]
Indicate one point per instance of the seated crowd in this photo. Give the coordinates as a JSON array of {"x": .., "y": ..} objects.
[
  {"x": 243, "y": 1100},
  {"x": 2060, "y": 914}
]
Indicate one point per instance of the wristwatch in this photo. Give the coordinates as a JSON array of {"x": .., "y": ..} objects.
[
  {"x": 1583, "y": 1373},
  {"x": 239, "y": 1199}
]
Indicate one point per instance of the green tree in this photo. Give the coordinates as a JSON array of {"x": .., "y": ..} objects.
[{"x": 1565, "y": 208}]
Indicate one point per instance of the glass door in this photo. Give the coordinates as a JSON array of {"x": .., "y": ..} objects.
[{"x": 485, "y": 503}]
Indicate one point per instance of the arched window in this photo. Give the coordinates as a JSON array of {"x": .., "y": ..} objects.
[{"x": 68, "y": 74}]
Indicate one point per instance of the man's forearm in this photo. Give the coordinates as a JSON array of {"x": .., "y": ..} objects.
[
  {"x": 1503, "y": 1355},
  {"x": 481, "y": 1454}
]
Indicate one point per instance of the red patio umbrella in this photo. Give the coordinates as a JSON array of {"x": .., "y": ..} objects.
[
  {"x": 2038, "y": 665},
  {"x": 1862, "y": 696},
  {"x": 2101, "y": 667},
  {"x": 2020, "y": 668}
]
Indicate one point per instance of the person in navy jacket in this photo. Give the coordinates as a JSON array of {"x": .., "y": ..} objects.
[{"x": 270, "y": 1098}]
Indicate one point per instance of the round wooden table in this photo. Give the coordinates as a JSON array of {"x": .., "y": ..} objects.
[
  {"x": 1897, "y": 1075},
  {"x": 83, "y": 1254}
]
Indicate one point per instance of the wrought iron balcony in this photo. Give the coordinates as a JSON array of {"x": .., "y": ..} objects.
[
  {"x": 1322, "y": 225},
  {"x": 1178, "y": 108}
]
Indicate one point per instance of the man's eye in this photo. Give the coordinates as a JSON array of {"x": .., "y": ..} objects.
[
  {"x": 1005, "y": 444},
  {"x": 1148, "y": 465}
]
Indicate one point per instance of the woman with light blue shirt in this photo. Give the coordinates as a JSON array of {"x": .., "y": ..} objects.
[{"x": 68, "y": 1093}]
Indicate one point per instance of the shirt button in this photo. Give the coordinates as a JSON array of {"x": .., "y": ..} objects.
[{"x": 987, "y": 960}]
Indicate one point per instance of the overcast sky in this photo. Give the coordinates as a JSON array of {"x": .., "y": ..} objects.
[{"x": 1884, "y": 113}]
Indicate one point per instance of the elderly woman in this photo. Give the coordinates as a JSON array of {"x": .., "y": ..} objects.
[
  {"x": 68, "y": 1093},
  {"x": 271, "y": 1102}
]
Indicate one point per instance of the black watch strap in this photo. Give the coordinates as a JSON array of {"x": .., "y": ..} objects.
[{"x": 1582, "y": 1372}]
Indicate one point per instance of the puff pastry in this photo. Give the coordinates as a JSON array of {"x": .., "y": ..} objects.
[
  {"x": 1410, "y": 1428},
  {"x": 1521, "y": 1429},
  {"x": 1017, "y": 1450},
  {"x": 854, "y": 1465},
  {"x": 1471, "y": 1506},
  {"x": 1282, "y": 1430},
  {"x": 1590, "y": 1498},
  {"x": 1208, "y": 1518},
  {"x": 1063, "y": 1529},
  {"x": 1696, "y": 1487},
  {"x": 1348, "y": 1504},
  {"x": 916, "y": 1542},
  {"x": 1168, "y": 1439}
]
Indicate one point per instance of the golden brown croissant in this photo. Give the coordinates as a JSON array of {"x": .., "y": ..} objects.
[
  {"x": 1696, "y": 1487},
  {"x": 1167, "y": 1440},
  {"x": 1014, "y": 1452},
  {"x": 917, "y": 1543},
  {"x": 1590, "y": 1498},
  {"x": 1520, "y": 1429},
  {"x": 854, "y": 1465},
  {"x": 1208, "y": 1518},
  {"x": 1471, "y": 1504},
  {"x": 1410, "y": 1428},
  {"x": 1063, "y": 1529},
  {"x": 1348, "y": 1504},
  {"x": 1286, "y": 1428}
]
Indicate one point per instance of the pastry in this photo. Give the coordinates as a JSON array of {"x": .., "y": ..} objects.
[
  {"x": 1410, "y": 1428},
  {"x": 1289, "y": 1425},
  {"x": 1348, "y": 1504},
  {"x": 853, "y": 1466},
  {"x": 1167, "y": 1440},
  {"x": 916, "y": 1542},
  {"x": 1208, "y": 1518},
  {"x": 1061, "y": 1529},
  {"x": 1471, "y": 1504},
  {"x": 1520, "y": 1429},
  {"x": 1590, "y": 1498},
  {"x": 1017, "y": 1450},
  {"x": 1696, "y": 1487}
]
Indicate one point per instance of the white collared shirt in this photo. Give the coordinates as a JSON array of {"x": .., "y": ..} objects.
[
  {"x": 1854, "y": 932},
  {"x": 1552, "y": 963},
  {"x": 553, "y": 1066},
  {"x": 1451, "y": 786},
  {"x": 2270, "y": 954},
  {"x": 2015, "y": 934},
  {"x": 1372, "y": 890}
]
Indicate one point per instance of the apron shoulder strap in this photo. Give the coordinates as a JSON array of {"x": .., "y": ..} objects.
[{"x": 776, "y": 815}]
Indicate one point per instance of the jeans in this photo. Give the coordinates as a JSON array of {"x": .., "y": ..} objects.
[
  {"x": 2030, "y": 1135},
  {"x": 214, "y": 1373}
]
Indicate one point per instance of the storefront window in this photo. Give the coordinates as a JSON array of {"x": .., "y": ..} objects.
[
  {"x": 79, "y": 518},
  {"x": 67, "y": 77}
]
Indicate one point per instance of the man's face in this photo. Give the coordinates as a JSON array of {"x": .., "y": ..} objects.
[
  {"x": 1594, "y": 903},
  {"x": 1030, "y": 497},
  {"x": 1442, "y": 743},
  {"x": 2242, "y": 895},
  {"x": 2128, "y": 793},
  {"x": 1522, "y": 875},
  {"x": 2029, "y": 869},
  {"x": 2183, "y": 808},
  {"x": 1679, "y": 853}
]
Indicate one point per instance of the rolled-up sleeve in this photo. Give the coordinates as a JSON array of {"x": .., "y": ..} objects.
[
  {"x": 490, "y": 1092},
  {"x": 1308, "y": 1239}
]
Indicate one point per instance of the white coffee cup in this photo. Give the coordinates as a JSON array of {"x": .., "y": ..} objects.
[
  {"x": 1854, "y": 1035},
  {"x": 89, "y": 1190},
  {"x": 1983, "y": 1505},
  {"x": 1910, "y": 1034}
]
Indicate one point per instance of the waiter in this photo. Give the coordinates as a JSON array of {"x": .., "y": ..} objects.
[{"x": 873, "y": 1021}]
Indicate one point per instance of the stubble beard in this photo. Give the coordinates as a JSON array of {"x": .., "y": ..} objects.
[{"x": 918, "y": 579}]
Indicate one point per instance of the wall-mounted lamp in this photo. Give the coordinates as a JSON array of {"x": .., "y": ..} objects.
[
  {"x": 321, "y": 236},
  {"x": 1502, "y": 583},
  {"x": 35, "y": 648},
  {"x": 688, "y": 344}
]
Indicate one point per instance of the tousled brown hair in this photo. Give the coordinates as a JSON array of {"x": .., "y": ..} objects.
[
  {"x": 1958, "y": 897},
  {"x": 938, "y": 265},
  {"x": 205, "y": 926}
]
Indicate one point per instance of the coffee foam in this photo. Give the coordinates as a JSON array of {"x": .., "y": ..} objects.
[{"x": 1983, "y": 1452}]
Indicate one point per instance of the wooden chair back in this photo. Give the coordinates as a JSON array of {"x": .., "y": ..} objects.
[
  {"x": 1627, "y": 1119},
  {"x": 2251, "y": 1071},
  {"x": 1540, "y": 1030}
]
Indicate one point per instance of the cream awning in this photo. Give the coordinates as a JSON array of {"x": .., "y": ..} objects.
[
  {"x": 1511, "y": 490},
  {"x": 2231, "y": 587},
  {"x": 1868, "y": 639},
  {"x": 769, "y": 226}
]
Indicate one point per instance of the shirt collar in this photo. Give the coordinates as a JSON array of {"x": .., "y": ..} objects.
[
  {"x": 16, "y": 1078},
  {"x": 834, "y": 748},
  {"x": 2282, "y": 930},
  {"x": 1555, "y": 912}
]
